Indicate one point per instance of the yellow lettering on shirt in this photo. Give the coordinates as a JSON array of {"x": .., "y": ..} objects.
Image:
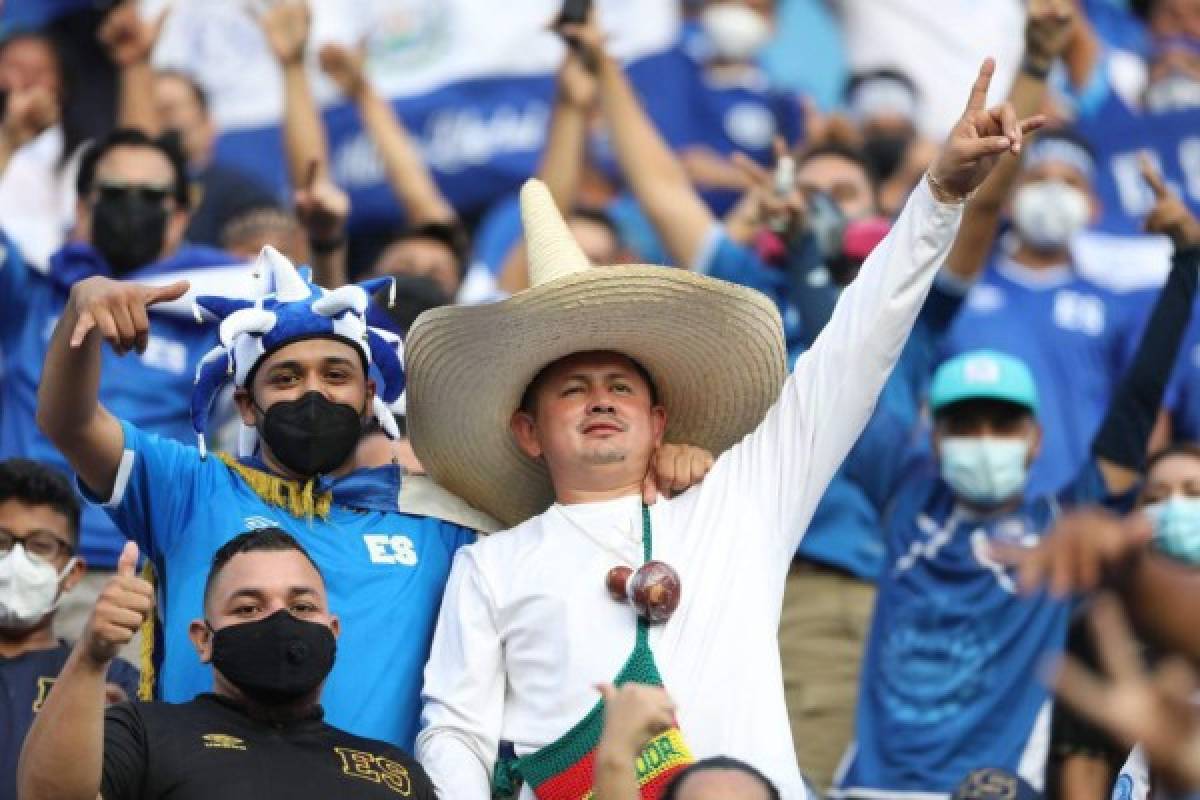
[
  {"x": 45, "y": 684},
  {"x": 377, "y": 769},
  {"x": 222, "y": 741}
]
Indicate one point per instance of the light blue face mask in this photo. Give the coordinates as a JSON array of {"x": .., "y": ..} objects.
[
  {"x": 1177, "y": 528},
  {"x": 984, "y": 470}
]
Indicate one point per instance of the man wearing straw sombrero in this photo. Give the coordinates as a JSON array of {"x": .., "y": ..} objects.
[{"x": 542, "y": 410}]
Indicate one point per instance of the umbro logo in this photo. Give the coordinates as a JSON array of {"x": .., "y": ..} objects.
[{"x": 258, "y": 523}]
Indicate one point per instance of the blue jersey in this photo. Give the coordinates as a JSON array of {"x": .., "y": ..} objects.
[
  {"x": 950, "y": 678},
  {"x": 1118, "y": 134},
  {"x": 24, "y": 683},
  {"x": 384, "y": 571},
  {"x": 1076, "y": 337},
  {"x": 152, "y": 389},
  {"x": 742, "y": 115}
]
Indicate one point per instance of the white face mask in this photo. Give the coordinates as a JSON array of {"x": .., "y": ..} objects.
[
  {"x": 736, "y": 32},
  {"x": 1048, "y": 213},
  {"x": 28, "y": 589},
  {"x": 984, "y": 470}
]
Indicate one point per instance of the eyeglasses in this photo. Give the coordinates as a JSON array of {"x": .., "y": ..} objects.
[
  {"x": 156, "y": 194},
  {"x": 40, "y": 546}
]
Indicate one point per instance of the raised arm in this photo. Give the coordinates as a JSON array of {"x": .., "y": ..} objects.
[
  {"x": 1048, "y": 31},
  {"x": 323, "y": 208},
  {"x": 563, "y": 159},
  {"x": 69, "y": 412},
  {"x": 407, "y": 173},
  {"x": 63, "y": 755},
  {"x": 657, "y": 178},
  {"x": 286, "y": 27},
  {"x": 1120, "y": 443},
  {"x": 788, "y": 461},
  {"x": 130, "y": 41}
]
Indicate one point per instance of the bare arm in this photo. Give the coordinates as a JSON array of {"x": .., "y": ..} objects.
[
  {"x": 286, "y": 27},
  {"x": 407, "y": 173},
  {"x": 323, "y": 208},
  {"x": 1047, "y": 32},
  {"x": 657, "y": 178},
  {"x": 634, "y": 713},
  {"x": 69, "y": 411},
  {"x": 130, "y": 41},
  {"x": 63, "y": 755},
  {"x": 1083, "y": 51},
  {"x": 561, "y": 167}
]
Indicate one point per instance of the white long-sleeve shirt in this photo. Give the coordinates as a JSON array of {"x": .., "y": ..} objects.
[{"x": 527, "y": 628}]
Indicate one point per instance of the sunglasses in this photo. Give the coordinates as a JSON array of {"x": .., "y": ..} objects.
[{"x": 156, "y": 194}]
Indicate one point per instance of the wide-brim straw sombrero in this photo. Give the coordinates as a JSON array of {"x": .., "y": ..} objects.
[{"x": 715, "y": 351}]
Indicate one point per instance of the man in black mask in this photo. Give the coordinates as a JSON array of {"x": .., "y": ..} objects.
[
  {"x": 130, "y": 215},
  {"x": 270, "y": 636}
]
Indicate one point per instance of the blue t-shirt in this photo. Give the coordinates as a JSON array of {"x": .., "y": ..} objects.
[
  {"x": 384, "y": 571},
  {"x": 152, "y": 389},
  {"x": 1076, "y": 337},
  {"x": 950, "y": 678},
  {"x": 24, "y": 683}
]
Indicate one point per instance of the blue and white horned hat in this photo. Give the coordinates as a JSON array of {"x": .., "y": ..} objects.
[{"x": 294, "y": 309}]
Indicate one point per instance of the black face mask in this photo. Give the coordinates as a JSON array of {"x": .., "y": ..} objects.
[
  {"x": 128, "y": 230},
  {"x": 274, "y": 660},
  {"x": 885, "y": 153},
  {"x": 311, "y": 435}
]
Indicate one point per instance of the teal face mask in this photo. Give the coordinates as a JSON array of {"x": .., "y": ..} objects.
[
  {"x": 1177, "y": 528},
  {"x": 984, "y": 470}
]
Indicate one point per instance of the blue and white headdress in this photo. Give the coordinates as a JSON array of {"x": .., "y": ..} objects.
[{"x": 294, "y": 309}]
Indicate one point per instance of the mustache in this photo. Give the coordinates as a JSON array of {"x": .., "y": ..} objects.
[{"x": 603, "y": 418}]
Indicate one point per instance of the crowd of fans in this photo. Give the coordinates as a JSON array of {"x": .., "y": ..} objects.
[{"x": 994, "y": 596}]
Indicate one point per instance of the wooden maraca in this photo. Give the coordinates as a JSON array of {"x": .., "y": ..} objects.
[{"x": 653, "y": 589}]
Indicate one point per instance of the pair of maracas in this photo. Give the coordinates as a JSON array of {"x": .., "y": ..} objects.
[{"x": 653, "y": 589}]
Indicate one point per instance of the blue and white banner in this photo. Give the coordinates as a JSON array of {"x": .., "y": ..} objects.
[
  {"x": 471, "y": 79},
  {"x": 1118, "y": 135}
]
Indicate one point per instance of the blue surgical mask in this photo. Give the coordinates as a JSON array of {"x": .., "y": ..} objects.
[
  {"x": 1177, "y": 527},
  {"x": 982, "y": 469}
]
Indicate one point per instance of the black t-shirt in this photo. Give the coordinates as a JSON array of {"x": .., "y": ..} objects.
[
  {"x": 24, "y": 683},
  {"x": 209, "y": 748}
]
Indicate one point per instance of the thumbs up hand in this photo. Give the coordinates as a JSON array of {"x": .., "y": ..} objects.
[
  {"x": 1170, "y": 215},
  {"x": 122, "y": 607}
]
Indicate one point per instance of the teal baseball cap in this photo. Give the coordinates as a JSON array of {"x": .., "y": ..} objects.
[{"x": 983, "y": 375}]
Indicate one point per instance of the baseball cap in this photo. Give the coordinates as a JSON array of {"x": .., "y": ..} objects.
[{"x": 983, "y": 375}]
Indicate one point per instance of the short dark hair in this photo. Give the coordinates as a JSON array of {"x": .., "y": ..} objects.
[
  {"x": 35, "y": 484},
  {"x": 450, "y": 233},
  {"x": 718, "y": 762},
  {"x": 132, "y": 137},
  {"x": 529, "y": 396},
  {"x": 839, "y": 150},
  {"x": 261, "y": 540},
  {"x": 198, "y": 91}
]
